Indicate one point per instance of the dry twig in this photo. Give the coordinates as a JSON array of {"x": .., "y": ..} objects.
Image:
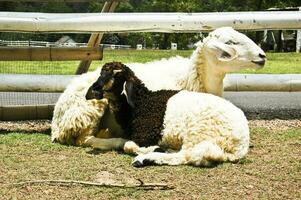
[{"x": 141, "y": 185}]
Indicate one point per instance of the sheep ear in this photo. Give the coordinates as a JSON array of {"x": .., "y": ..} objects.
[{"x": 128, "y": 91}]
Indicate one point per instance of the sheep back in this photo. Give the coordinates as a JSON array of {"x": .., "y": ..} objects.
[{"x": 148, "y": 117}]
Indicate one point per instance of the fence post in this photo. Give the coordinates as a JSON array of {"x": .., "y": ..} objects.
[
  {"x": 95, "y": 38},
  {"x": 298, "y": 38}
]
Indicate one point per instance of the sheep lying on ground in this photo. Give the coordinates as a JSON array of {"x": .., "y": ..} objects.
[
  {"x": 204, "y": 129},
  {"x": 75, "y": 118},
  {"x": 224, "y": 50}
]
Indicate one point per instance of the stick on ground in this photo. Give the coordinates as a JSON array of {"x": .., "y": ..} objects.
[{"x": 141, "y": 185}]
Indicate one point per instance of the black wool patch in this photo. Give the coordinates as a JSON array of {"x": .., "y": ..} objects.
[{"x": 148, "y": 116}]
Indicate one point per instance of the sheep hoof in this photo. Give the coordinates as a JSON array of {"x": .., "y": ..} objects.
[
  {"x": 142, "y": 163},
  {"x": 160, "y": 150},
  {"x": 137, "y": 164}
]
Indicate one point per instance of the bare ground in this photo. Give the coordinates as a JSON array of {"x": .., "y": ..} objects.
[
  {"x": 271, "y": 170},
  {"x": 28, "y": 126},
  {"x": 43, "y": 126}
]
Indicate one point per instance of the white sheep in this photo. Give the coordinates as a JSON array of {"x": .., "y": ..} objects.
[
  {"x": 224, "y": 50},
  {"x": 202, "y": 128}
]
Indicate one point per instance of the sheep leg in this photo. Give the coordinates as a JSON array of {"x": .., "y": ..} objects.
[
  {"x": 206, "y": 154},
  {"x": 105, "y": 144},
  {"x": 82, "y": 139},
  {"x": 157, "y": 158},
  {"x": 131, "y": 147},
  {"x": 203, "y": 154}
]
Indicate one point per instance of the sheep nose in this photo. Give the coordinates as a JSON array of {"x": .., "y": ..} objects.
[
  {"x": 263, "y": 56},
  {"x": 260, "y": 61}
]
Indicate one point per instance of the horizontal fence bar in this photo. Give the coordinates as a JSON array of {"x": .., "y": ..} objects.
[
  {"x": 50, "y": 53},
  {"x": 27, "y": 43},
  {"x": 147, "y": 22},
  {"x": 267, "y": 105},
  {"x": 263, "y": 82},
  {"x": 233, "y": 82},
  {"x": 34, "y": 83},
  {"x": 26, "y": 112}
]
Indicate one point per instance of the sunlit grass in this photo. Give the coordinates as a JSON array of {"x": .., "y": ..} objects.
[
  {"x": 272, "y": 162},
  {"x": 278, "y": 63}
]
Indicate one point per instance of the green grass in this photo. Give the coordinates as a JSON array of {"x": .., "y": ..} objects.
[
  {"x": 270, "y": 170},
  {"x": 278, "y": 63}
]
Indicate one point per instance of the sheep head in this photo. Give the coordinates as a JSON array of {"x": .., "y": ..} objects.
[
  {"x": 114, "y": 79},
  {"x": 228, "y": 50},
  {"x": 117, "y": 82},
  {"x": 107, "y": 82},
  {"x": 109, "y": 85}
]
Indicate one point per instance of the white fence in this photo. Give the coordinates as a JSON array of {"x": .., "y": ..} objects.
[
  {"x": 144, "y": 22},
  {"x": 147, "y": 22},
  {"x": 139, "y": 22},
  {"x": 232, "y": 82},
  {"x": 27, "y": 43}
]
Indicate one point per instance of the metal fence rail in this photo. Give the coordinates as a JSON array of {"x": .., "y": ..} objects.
[
  {"x": 28, "y": 43},
  {"x": 132, "y": 22},
  {"x": 233, "y": 82},
  {"x": 147, "y": 22}
]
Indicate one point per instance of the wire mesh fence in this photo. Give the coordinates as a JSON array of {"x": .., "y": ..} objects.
[
  {"x": 28, "y": 98},
  {"x": 35, "y": 67},
  {"x": 38, "y": 67},
  {"x": 37, "y": 40},
  {"x": 27, "y": 102}
]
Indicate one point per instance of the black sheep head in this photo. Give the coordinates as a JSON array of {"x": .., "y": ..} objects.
[{"x": 111, "y": 81}]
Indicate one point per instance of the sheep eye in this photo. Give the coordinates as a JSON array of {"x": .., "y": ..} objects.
[
  {"x": 231, "y": 42},
  {"x": 225, "y": 55}
]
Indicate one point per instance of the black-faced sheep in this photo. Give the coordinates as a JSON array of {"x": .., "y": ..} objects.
[{"x": 202, "y": 128}]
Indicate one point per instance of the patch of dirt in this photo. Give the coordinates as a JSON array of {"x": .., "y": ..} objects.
[
  {"x": 43, "y": 126},
  {"x": 107, "y": 177},
  {"x": 276, "y": 124},
  {"x": 28, "y": 126}
]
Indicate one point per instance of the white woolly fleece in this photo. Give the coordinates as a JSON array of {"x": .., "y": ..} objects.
[
  {"x": 194, "y": 118},
  {"x": 164, "y": 74},
  {"x": 72, "y": 112}
]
